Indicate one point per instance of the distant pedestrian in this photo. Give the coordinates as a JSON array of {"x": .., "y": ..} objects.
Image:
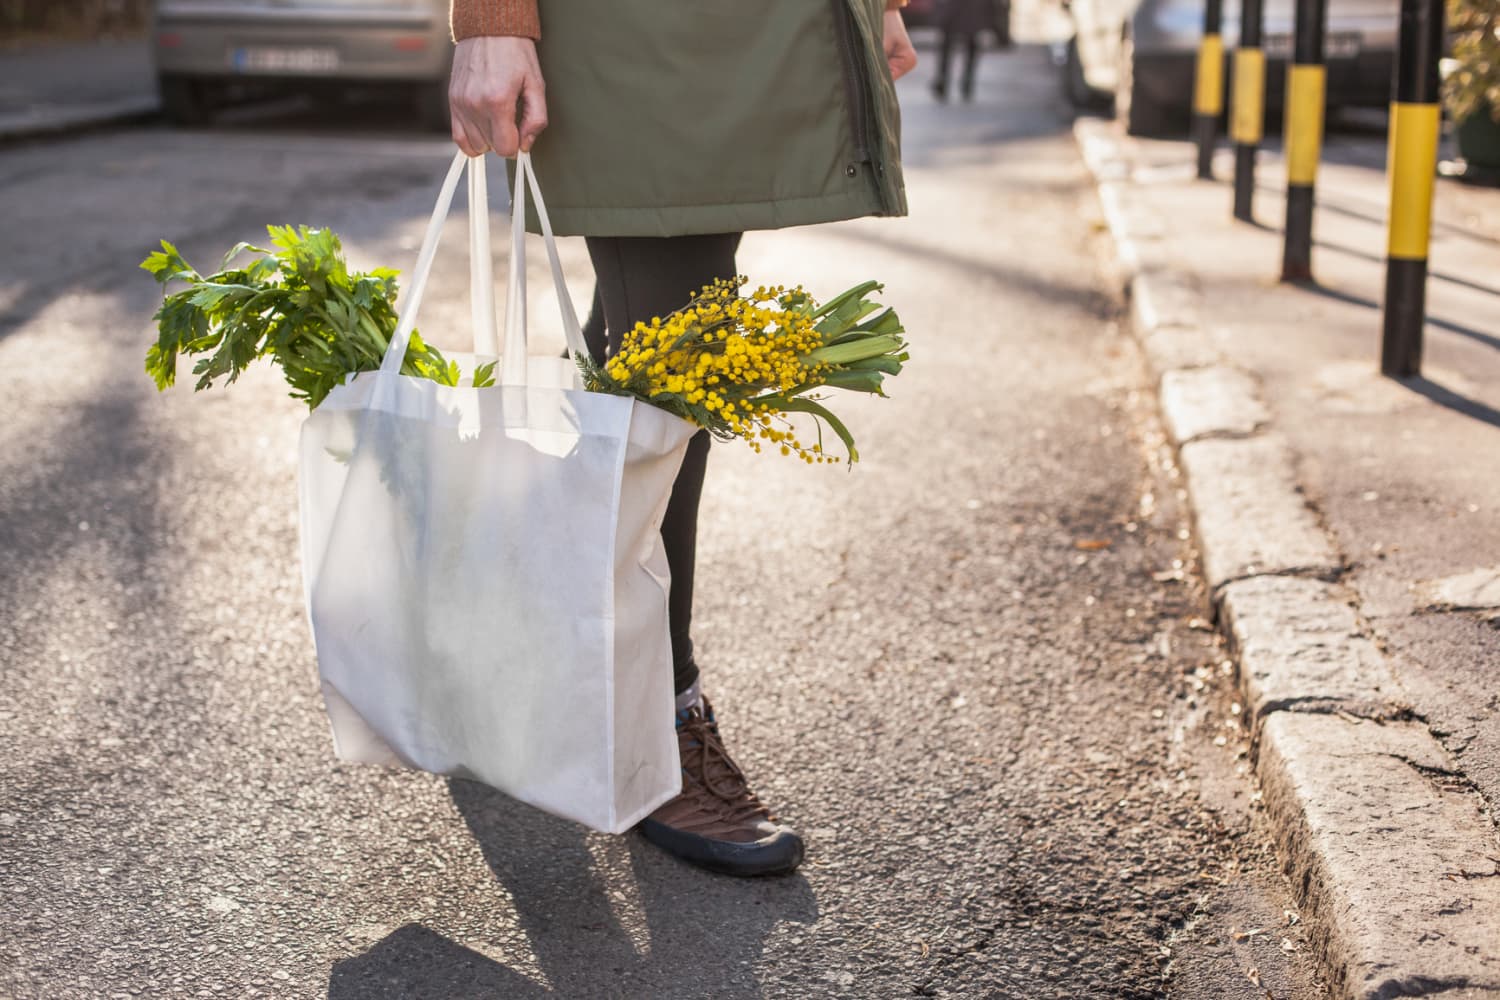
[{"x": 961, "y": 22}]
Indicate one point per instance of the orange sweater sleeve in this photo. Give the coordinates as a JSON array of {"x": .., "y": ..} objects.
[{"x": 471, "y": 18}]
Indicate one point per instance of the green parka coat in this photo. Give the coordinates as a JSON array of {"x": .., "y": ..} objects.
[{"x": 676, "y": 117}]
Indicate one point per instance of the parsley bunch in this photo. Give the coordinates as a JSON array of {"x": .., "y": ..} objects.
[{"x": 296, "y": 303}]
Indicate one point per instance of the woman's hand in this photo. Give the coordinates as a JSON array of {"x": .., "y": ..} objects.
[
  {"x": 898, "y": 48},
  {"x": 494, "y": 78}
]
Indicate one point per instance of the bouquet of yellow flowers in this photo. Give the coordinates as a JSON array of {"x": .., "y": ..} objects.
[
  {"x": 734, "y": 363},
  {"x": 738, "y": 364}
]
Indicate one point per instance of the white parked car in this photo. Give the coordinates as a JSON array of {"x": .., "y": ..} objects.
[
  {"x": 207, "y": 49},
  {"x": 1143, "y": 53}
]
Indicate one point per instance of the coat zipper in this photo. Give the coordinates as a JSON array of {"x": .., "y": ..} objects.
[
  {"x": 868, "y": 143},
  {"x": 856, "y": 79}
]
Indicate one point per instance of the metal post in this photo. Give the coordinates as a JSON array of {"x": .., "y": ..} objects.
[
  {"x": 1247, "y": 120},
  {"x": 1208, "y": 94},
  {"x": 1412, "y": 165},
  {"x": 1305, "y": 88}
]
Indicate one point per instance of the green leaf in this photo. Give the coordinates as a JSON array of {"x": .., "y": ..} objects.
[
  {"x": 855, "y": 350},
  {"x": 853, "y": 294},
  {"x": 890, "y": 364},
  {"x": 207, "y": 297},
  {"x": 161, "y": 366},
  {"x": 887, "y": 323},
  {"x": 856, "y": 381},
  {"x": 166, "y": 264},
  {"x": 803, "y": 405}
]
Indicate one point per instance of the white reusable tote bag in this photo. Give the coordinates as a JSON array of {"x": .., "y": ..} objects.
[{"x": 484, "y": 566}]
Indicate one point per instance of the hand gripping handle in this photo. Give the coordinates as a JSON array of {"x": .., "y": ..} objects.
[{"x": 481, "y": 275}]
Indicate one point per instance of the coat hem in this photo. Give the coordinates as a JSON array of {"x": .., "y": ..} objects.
[{"x": 695, "y": 220}]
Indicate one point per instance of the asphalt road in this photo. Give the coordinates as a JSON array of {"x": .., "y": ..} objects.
[{"x": 969, "y": 670}]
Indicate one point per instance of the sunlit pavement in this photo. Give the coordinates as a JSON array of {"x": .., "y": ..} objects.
[{"x": 970, "y": 670}]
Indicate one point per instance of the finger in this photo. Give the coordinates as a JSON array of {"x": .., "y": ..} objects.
[
  {"x": 533, "y": 113},
  {"x": 456, "y": 112},
  {"x": 903, "y": 59},
  {"x": 463, "y": 116},
  {"x": 466, "y": 134},
  {"x": 467, "y": 138},
  {"x": 498, "y": 121}
]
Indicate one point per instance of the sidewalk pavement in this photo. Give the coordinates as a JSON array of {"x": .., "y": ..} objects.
[
  {"x": 1347, "y": 525},
  {"x": 53, "y": 87}
]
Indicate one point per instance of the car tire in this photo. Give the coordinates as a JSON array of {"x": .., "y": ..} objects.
[
  {"x": 1076, "y": 85},
  {"x": 432, "y": 107},
  {"x": 183, "y": 100},
  {"x": 1141, "y": 114}
]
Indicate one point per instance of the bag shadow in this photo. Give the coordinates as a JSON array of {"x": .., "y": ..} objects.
[
  {"x": 604, "y": 916},
  {"x": 415, "y": 961}
]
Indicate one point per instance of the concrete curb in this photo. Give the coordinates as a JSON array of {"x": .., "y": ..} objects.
[
  {"x": 1388, "y": 848},
  {"x": 1394, "y": 862},
  {"x": 1211, "y": 401},
  {"x": 53, "y": 118},
  {"x": 1252, "y": 519}
]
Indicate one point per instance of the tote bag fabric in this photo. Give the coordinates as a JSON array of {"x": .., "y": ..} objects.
[{"x": 484, "y": 567}]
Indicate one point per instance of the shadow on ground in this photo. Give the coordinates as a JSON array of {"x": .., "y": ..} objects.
[
  {"x": 637, "y": 923},
  {"x": 1445, "y": 397},
  {"x": 1478, "y": 336},
  {"x": 415, "y": 961}
]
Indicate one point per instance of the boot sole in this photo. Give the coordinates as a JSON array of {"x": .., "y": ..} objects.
[{"x": 776, "y": 855}]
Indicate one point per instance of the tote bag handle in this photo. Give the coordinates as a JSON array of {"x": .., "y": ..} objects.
[{"x": 481, "y": 270}]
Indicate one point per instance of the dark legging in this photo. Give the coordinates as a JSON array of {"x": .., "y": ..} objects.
[
  {"x": 952, "y": 40},
  {"x": 638, "y": 278}
]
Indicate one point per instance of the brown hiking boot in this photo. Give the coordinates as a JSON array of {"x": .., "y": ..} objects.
[{"x": 717, "y": 822}]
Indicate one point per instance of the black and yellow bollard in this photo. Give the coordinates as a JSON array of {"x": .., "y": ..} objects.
[
  {"x": 1248, "y": 116},
  {"x": 1411, "y": 164},
  {"x": 1306, "y": 85},
  {"x": 1208, "y": 89}
]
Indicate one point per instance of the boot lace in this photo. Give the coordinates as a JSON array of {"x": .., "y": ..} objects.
[{"x": 716, "y": 772}]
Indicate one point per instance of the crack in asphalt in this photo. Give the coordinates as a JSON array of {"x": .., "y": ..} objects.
[
  {"x": 1334, "y": 575},
  {"x": 1367, "y": 711}
]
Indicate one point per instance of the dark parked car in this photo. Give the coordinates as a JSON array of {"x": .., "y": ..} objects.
[{"x": 1142, "y": 55}]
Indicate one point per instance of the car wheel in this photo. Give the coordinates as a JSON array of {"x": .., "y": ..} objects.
[
  {"x": 1079, "y": 93},
  {"x": 1141, "y": 114},
  {"x": 432, "y": 106},
  {"x": 183, "y": 100}
]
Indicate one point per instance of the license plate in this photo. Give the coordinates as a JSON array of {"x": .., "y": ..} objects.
[
  {"x": 1336, "y": 45},
  {"x": 269, "y": 59}
]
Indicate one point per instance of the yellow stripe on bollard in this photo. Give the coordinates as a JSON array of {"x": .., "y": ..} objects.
[
  {"x": 1208, "y": 98},
  {"x": 1412, "y": 165},
  {"x": 1248, "y": 119},
  {"x": 1304, "y": 128}
]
